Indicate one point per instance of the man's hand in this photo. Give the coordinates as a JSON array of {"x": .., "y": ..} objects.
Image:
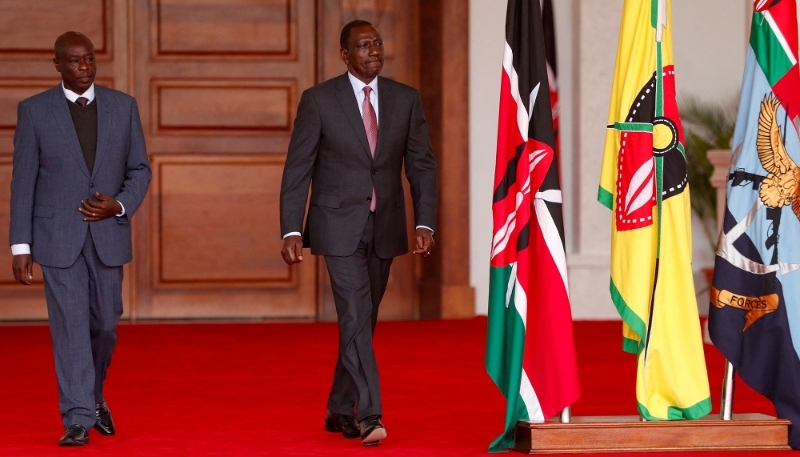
[
  {"x": 23, "y": 268},
  {"x": 102, "y": 207},
  {"x": 425, "y": 242},
  {"x": 292, "y": 250}
]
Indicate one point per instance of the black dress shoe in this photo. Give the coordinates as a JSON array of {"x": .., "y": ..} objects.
[
  {"x": 103, "y": 422},
  {"x": 372, "y": 430},
  {"x": 336, "y": 423},
  {"x": 74, "y": 435}
]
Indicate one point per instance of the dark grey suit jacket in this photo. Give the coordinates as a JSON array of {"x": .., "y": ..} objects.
[
  {"x": 329, "y": 150},
  {"x": 50, "y": 177}
]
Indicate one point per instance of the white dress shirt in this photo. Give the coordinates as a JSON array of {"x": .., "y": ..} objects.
[
  {"x": 358, "y": 89},
  {"x": 73, "y": 96},
  {"x": 20, "y": 249}
]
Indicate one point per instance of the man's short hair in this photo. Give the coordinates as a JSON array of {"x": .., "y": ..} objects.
[
  {"x": 344, "y": 39},
  {"x": 63, "y": 39}
]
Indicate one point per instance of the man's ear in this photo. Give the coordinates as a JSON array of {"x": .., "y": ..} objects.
[
  {"x": 345, "y": 56},
  {"x": 55, "y": 62}
]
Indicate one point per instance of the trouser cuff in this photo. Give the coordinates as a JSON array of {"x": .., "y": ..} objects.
[
  {"x": 371, "y": 411},
  {"x": 339, "y": 409},
  {"x": 87, "y": 422}
]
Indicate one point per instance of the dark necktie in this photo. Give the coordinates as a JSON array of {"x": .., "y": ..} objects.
[
  {"x": 83, "y": 101},
  {"x": 371, "y": 126}
]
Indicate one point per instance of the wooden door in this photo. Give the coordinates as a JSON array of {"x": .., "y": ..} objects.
[{"x": 218, "y": 83}]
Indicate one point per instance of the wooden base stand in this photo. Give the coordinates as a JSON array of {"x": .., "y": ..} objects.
[{"x": 751, "y": 432}]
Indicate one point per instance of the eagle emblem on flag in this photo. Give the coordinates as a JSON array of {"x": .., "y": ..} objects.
[{"x": 780, "y": 187}]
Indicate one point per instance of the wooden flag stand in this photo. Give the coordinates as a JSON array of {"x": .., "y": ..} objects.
[
  {"x": 598, "y": 434},
  {"x": 746, "y": 432},
  {"x": 727, "y": 432}
]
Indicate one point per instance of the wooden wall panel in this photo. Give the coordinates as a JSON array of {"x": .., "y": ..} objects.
[
  {"x": 215, "y": 242},
  {"x": 33, "y": 22},
  {"x": 230, "y": 243},
  {"x": 224, "y": 27},
  {"x": 14, "y": 91},
  {"x": 214, "y": 106}
]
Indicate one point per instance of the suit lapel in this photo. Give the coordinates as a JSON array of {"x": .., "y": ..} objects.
[
  {"x": 385, "y": 110},
  {"x": 103, "y": 125},
  {"x": 64, "y": 121},
  {"x": 347, "y": 99}
]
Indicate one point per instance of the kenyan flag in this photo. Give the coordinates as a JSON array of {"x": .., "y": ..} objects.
[{"x": 530, "y": 352}]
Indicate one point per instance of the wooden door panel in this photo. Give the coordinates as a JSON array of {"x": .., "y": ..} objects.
[
  {"x": 257, "y": 27},
  {"x": 242, "y": 106},
  {"x": 218, "y": 83},
  {"x": 235, "y": 241},
  {"x": 31, "y": 26},
  {"x": 216, "y": 241},
  {"x": 11, "y": 93}
]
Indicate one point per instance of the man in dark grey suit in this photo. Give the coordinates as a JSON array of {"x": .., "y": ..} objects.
[
  {"x": 80, "y": 173},
  {"x": 352, "y": 137}
]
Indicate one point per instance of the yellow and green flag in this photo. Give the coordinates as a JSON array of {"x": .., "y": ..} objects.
[{"x": 644, "y": 183}]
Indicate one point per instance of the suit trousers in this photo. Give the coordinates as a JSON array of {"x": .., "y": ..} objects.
[
  {"x": 84, "y": 305},
  {"x": 358, "y": 282}
]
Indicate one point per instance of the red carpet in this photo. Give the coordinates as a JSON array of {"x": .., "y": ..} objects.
[{"x": 261, "y": 389}]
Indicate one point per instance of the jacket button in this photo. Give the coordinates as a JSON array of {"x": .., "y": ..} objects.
[
  {"x": 369, "y": 198},
  {"x": 374, "y": 172},
  {"x": 91, "y": 185}
]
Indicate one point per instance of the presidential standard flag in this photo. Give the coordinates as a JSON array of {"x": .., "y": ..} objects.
[
  {"x": 530, "y": 352},
  {"x": 754, "y": 319},
  {"x": 644, "y": 183}
]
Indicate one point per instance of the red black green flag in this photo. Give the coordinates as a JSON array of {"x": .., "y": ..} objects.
[{"x": 530, "y": 352}]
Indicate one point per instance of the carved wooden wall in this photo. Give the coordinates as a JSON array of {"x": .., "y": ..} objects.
[{"x": 217, "y": 83}]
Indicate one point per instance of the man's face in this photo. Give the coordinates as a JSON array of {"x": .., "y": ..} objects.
[
  {"x": 364, "y": 53},
  {"x": 76, "y": 64}
]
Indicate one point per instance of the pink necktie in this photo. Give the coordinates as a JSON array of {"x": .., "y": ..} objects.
[
  {"x": 83, "y": 101},
  {"x": 371, "y": 126}
]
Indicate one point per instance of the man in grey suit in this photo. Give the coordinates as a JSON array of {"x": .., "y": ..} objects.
[
  {"x": 80, "y": 173},
  {"x": 352, "y": 137}
]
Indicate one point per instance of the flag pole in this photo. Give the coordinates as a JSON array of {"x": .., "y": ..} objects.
[
  {"x": 726, "y": 405},
  {"x": 566, "y": 415}
]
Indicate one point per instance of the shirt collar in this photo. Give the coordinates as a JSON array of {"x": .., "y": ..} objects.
[
  {"x": 72, "y": 96},
  {"x": 358, "y": 85}
]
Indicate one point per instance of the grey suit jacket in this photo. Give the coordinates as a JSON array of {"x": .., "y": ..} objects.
[
  {"x": 329, "y": 150},
  {"x": 50, "y": 177}
]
